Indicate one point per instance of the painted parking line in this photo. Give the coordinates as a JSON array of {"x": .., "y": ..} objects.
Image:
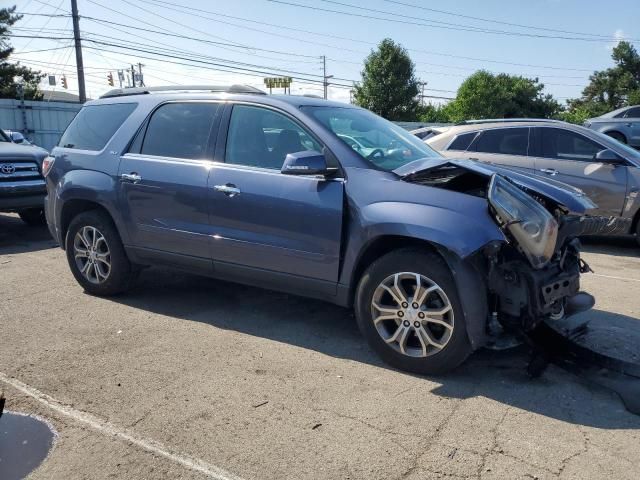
[
  {"x": 112, "y": 430},
  {"x": 616, "y": 278}
]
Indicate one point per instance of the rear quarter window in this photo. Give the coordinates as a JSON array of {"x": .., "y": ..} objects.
[
  {"x": 462, "y": 142},
  {"x": 94, "y": 126}
]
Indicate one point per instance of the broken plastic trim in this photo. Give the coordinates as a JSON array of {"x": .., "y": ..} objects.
[{"x": 554, "y": 343}]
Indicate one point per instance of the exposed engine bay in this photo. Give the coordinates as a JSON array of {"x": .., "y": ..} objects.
[{"x": 535, "y": 275}]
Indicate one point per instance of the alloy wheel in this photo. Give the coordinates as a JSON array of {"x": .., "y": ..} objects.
[
  {"x": 92, "y": 254},
  {"x": 412, "y": 314}
]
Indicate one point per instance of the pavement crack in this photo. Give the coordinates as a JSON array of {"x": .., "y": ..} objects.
[{"x": 494, "y": 445}]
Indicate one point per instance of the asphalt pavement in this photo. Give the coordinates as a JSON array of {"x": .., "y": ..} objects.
[{"x": 188, "y": 377}]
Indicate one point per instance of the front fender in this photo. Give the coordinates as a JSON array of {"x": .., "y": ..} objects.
[
  {"x": 90, "y": 186},
  {"x": 461, "y": 232},
  {"x": 455, "y": 235}
]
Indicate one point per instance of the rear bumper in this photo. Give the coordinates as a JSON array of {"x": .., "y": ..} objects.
[
  {"x": 49, "y": 214},
  {"x": 14, "y": 203}
]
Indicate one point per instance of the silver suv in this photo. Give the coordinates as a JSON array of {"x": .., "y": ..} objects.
[
  {"x": 622, "y": 124},
  {"x": 605, "y": 169}
]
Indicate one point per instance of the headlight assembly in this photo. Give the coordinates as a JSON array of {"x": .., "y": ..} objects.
[{"x": 531, "y": 225}]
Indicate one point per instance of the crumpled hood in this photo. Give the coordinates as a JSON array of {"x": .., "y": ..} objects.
[{"x": 573, "y": 199}]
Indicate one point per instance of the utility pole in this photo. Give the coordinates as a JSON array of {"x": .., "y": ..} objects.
[
  {"x": 82, "y": 93},
  {"x": 422, "y": 95},
  {"x": 133, "y": 76},
  {"x": 325, "y": 77},
  {"x": 140, "y": 77}
]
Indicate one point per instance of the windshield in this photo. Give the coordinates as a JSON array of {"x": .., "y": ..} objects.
[{"x": 382, "y": 143}]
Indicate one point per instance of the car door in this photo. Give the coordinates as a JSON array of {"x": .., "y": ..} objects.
[
  {"x": 163, "y": 184},
  {"x": 267, "y": 225},
  {"x": 568, "y": 156},
  {"x": 506, "y": 146}
]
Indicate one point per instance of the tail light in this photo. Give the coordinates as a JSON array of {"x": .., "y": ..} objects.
[{"x": 47, "y": 163}]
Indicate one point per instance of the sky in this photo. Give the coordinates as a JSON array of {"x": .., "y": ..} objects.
[{"x": 558, "y": 41}]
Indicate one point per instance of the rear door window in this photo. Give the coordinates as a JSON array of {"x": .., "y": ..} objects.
[
  {"x": 462, "y": 142},
  {"x": 633, "y": 113},
  {"x": 94, "y": 126},
  {"x": 567, "y": 145},
  {"x": 180, "y": 130},
  {"x": 505, "y": 141}
]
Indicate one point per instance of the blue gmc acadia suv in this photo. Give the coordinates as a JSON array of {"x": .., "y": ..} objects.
[{"x": 265, "y": 190}]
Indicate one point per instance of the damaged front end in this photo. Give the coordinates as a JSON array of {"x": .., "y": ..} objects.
[{"x": 535, "y": 274}]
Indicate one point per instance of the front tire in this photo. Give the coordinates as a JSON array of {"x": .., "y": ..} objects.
[
  {"x": 33, "y": 216},
  {"x": 408, "y": 309},
  {"x": 96, "y": 256}
]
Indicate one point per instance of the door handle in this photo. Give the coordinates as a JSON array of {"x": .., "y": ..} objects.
[
  {"x": 230, "y": 190},
  {"x": 549, "y": 171},
  {"x": 130, "y": 177}
]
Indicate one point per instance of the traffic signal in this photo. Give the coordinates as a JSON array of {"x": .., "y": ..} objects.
[
  {"x": 110, "y": 79},
  {"x": 63, "y": 80}
]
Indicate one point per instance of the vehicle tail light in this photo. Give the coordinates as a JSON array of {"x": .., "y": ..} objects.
[{"x": 47, "y": 163}]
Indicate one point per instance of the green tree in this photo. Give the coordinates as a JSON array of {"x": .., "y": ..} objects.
[
  {"x": 485, "y": 95},
  {"x": 612, "y": 88},
  {"x": 432, "y": 113},
  {"x": 389, "y": 86},
  {"x": 10, "y": 70}
]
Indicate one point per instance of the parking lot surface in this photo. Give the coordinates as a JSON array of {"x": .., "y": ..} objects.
[{"x": 187, "y": 377}]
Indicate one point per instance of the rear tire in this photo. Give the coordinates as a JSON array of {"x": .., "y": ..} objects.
[
  {"x": 430, "y": 346},
  {"x": 617, "y": 136},
  {"x": 33, "y": 216},
  {"x": 96, "y": 255}
]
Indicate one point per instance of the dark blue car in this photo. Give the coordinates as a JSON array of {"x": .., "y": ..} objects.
[{"x": 264, "y": 190}]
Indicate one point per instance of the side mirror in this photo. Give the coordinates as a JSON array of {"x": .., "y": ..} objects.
[
  {"x": 16, "y": 137},
  {"x": 608, "y": 156},
  {"x": 308, "y": 162}
]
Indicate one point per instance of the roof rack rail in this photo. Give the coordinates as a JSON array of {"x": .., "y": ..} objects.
[
  {"x": 508, "y": 120},
  {"x": 121, "y": 92}
]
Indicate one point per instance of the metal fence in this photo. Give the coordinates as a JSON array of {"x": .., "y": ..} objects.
[{"x": 41, "y": 122}]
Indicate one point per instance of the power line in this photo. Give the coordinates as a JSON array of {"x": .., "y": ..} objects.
[
  {"x": 424, "y": 22},
  {"x": 323, "y": 44},
  {"x": 200, "y": 56},
  {"x": 341, "y": 47},
  {"x": 422, "y": 7},
  {"x": 186, "y": 37},
  {"x": 259, "y": 69}
]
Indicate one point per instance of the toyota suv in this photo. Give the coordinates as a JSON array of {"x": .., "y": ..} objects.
[
  {"x": 22, "y": 187},
  {"x": 268, "y": 191}
]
